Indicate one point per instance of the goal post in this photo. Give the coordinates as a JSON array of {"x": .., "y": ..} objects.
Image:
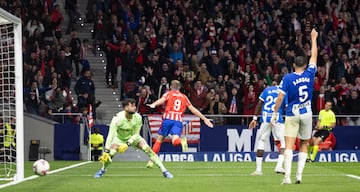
[{"x": 11, "y": 98}]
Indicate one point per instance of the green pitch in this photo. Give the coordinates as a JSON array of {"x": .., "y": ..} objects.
[{"x": 191, "y": 177}]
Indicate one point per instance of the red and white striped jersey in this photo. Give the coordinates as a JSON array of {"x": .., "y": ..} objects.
[{"x": 176, "y": 104}]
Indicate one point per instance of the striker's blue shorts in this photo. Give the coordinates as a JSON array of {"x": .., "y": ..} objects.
[{"x": 170, "y": 127}]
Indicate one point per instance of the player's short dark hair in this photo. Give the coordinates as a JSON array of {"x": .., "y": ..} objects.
[
  {"x": 300, "y": 61},
  {"x": 128, "y": 101}
]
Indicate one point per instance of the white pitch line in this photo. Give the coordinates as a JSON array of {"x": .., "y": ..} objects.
[
  {"x": 69, "y": 167},
  {"x": 192, "y": 175},
  {"x": 353, "y": 176},
  {"x": 36, "y": 176}
]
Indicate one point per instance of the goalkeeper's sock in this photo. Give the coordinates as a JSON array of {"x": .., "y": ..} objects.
[
  {"x": 157, "y": 146},
  {"x": 112, "y": 154},
  {"x": 315, "y": 150},
  {"x": 105, "y": 165},
  {"x": 177, "y": 142},
  {"x": 310, "y": 149},
  {"x": 154, "y": 158}
]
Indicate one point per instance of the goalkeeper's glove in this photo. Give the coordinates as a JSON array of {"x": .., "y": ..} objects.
[
  {"x": 123, "y": 147},
  {"x": 105, "y": 157}
]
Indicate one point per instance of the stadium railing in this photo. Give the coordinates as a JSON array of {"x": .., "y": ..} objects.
[{"x": 62, "y": 115}]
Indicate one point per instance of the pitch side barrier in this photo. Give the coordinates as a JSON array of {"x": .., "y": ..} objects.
[
  {"x": 235, "y": 142},
  {"x": 224, "y": 142}
]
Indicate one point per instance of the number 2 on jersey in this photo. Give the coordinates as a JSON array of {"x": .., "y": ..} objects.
[{"x": 269, "y": 103}]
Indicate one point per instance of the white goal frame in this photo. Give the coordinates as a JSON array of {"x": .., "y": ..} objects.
[{"x": 8, "y": 18}]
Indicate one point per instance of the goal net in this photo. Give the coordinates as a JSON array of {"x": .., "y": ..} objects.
[{"x": 11, "y": 98}]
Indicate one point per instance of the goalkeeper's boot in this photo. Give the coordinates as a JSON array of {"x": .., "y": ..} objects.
[
  {"x": 168, "y": 175},
  {"x": 150, "y": 164},
  {"x": 99, "y": 173},
  {"x": 184, "y": 144}
]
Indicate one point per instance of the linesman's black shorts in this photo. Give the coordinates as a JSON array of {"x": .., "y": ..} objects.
[{"x": 323, "y": 134}]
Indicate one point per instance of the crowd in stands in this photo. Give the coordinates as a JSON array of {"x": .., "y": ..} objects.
[
  {"x": 49, "y": 60},
  {"x": 231, "y": 49},
  {"x": 224, "y": 52}
]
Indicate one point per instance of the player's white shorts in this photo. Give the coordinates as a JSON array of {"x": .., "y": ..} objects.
[
  {"x": 264, "y": 133},
  {"x": 299, "y": 126}
]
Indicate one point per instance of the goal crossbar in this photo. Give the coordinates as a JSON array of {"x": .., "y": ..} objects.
[{"x": 6, "y": 18}]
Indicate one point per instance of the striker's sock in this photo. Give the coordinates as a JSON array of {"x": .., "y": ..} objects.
[
  {"x": 315, "y": 150},
  {"x": 156, "y": 147},
  {"x": 177, "y": 142}
]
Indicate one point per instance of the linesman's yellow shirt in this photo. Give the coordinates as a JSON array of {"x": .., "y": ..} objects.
[{"x": 326, "y": 118}]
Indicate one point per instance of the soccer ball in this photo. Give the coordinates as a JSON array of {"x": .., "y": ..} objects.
[{"x": 41, "y": 167}]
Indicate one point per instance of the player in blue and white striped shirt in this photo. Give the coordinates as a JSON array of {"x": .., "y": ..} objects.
[
  {"x": 267, "y": 103},
  {"x": 298, "y": 87}
]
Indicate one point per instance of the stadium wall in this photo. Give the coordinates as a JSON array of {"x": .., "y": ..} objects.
[
  {"x": 38, "y": 128},
  {"x": 240, "y": 138},
  {"x": 222, "y": 143},
  {"x": 238, "y": 143}
]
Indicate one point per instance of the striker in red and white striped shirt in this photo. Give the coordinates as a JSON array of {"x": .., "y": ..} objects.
[{"x": 176, "y": 104}]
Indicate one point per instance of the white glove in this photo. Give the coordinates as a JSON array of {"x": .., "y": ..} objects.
[{"x": 273, "y": 120}]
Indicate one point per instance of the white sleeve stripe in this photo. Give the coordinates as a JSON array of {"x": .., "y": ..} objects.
[{"x": 282, "y": 91}]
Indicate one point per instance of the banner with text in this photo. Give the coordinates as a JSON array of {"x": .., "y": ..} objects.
[
  {"x": 241, "y": 139},
  {"x": 323, "y": 156}
]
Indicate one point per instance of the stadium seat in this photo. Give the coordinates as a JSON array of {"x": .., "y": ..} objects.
[{"x": 43, "y": 151}]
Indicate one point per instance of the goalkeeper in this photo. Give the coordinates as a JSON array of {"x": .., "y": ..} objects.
[{"x": 124, "y": 132}]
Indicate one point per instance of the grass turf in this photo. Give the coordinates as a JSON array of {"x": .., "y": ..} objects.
[{"x": 189, "y": 177}]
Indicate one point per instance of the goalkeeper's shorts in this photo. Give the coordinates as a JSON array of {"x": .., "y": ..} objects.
[{"x": 119, "y": 142}]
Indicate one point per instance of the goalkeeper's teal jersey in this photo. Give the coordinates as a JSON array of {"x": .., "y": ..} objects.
[{"x": 123, "y": 128}]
